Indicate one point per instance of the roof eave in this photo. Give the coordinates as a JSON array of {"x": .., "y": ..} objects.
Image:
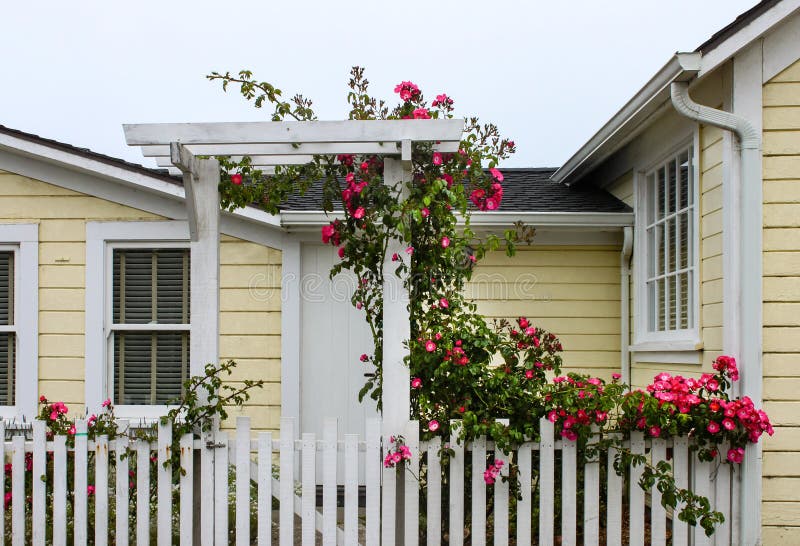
[{"x": 499, "y": 220}]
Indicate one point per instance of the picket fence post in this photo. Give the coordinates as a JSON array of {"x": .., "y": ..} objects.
[{"x": 121, "y": 499}]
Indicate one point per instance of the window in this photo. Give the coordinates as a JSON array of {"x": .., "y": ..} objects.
[
  {"x": 150, "y": 324},
  {"x": 667, "y": 228},
  {"x": 8, "y": 329},
  {"x": 138, "y": 321},
  {"x": 19, "y": 320}
]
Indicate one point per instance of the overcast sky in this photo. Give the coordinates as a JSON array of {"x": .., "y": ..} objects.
[{"x": 548, "y": 73}]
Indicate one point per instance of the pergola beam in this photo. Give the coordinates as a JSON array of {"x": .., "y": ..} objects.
[{"x": 288, "y": 132}]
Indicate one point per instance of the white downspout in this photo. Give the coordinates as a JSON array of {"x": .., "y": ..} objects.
[
  {"x": 625, "y": 297},
  {"x": 750, "y": 321}
]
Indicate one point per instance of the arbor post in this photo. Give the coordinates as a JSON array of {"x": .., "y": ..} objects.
[
  {"x": 201, "y": 184},
  {"x": 396, "y": 378}
]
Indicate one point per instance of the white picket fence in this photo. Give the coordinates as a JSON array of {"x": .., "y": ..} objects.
[{"x": 391, "y": 511}]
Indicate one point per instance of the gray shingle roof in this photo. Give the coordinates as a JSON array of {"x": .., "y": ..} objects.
[{"x": 524, "y": 190}]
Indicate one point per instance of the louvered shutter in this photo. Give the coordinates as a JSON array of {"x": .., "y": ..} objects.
[
  {"x": 150, "y": 287},
  {"x": 7, "y": 339}
]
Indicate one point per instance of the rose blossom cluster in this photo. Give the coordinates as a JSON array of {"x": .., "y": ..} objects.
[
  {"x": 398, "y": 454},
  {"x": 492, "y": 471},
  {"x": 489, "y": 200},
  {"x": 706, "y": 405},
  {"x": 586, "y": 390},
  {"x": 408, "y": 91}
]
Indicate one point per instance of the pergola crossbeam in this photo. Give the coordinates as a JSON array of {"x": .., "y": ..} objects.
[{"x": 293, "y": 143}]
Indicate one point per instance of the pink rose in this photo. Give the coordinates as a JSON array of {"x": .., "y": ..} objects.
[
  {"x": 421, "y": 113},
  {"x": 445, "y": 242},
  {"x": 496, "y": 174},
  {"x": 416, "y": 383},
  {"x": 341, "y": 252},
  {"x": 433, "y": 425},
  {"x": 395, "y": 257},
  {"x": 359, "y": 213},
  {"x": 425, "y": 212},
  {"x": 712, "y": 427},
  {"x": 430, "y": 346},
  {"x": 236, "y": 179},
  {"x": 437, "y": 158},
  {"x": 364, "y": 357}
]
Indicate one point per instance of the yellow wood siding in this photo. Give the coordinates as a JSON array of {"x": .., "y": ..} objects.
[
  {"x": 572, "y": 291},
  {"x": 250, "y": 324},
  {"x": 249, "y": 297},
  {"x": 781, "y": 309}
]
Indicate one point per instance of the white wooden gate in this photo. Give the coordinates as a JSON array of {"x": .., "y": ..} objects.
[{"x": 121, "y": 492}]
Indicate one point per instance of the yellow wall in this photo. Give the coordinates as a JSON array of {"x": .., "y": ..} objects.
[
  {"x": 250, "y": 319},
  {"x": 572, "y": 291},
  {"x": 781, "y": 260}
]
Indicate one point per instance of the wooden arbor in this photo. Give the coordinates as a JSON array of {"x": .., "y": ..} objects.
[{"x": 177, "y": 147}]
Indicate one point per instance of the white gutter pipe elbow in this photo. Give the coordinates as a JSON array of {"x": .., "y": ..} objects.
[{"x": 683, "y": 103}]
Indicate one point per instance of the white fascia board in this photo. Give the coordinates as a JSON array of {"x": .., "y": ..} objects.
[
  {"x": 313, "y": 219},
  {"x": 113, "y": 183},
  {"x": 681, "y": 67},
  {"x": 747, "y": 34},
  {"x": 90, "y": 166},
  {"x": 553, "y": 219}
]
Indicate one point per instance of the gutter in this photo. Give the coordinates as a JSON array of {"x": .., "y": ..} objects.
[
  {"x": 312, "y": 219},
  {"x": 750, "y": 267}
]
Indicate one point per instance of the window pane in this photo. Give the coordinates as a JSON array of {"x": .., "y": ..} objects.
[
  {"x": 151, "y": 285},
  {"x": 683, "y": 162},
  {"x": 659, "y": 249},
  {"x": 149, "y": 367},
  {"x": 173, "y": 287},
  {"x": 671, "y": 244},
  {"x": 671, "y": 186},
  {"x": 683, "y": 240},
  {"x": 662, "y": 189},
  {"x": 7, "y": 357},
  {"x": 684, "y": 307},
  {"x": 6, "y": 288},
  {"x": 652, "y": 298},
  {"x": 672, "y": 294},
  {"x": 660, "y": 286}
]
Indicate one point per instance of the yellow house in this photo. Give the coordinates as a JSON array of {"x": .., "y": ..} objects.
[{"x": 670, "y": 237}]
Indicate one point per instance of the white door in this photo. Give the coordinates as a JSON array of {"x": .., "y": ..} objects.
[{"x": 334, "y": 335}]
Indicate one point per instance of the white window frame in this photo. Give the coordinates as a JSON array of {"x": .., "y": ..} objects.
[
  {"x": 666, "y": 343},
  {"x": 101, "y": 240},
  {"x": 23, "y": 240}
]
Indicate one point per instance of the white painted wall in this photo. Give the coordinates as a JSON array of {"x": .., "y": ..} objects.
[{"x": 334, "y": 335}]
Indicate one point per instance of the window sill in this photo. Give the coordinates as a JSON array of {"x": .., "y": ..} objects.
[
  {"x": 146, "y": 415},
  {"x": 669, "y": 352}
]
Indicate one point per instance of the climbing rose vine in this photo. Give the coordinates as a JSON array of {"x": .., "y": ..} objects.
[{"x": 496, "y": 379}]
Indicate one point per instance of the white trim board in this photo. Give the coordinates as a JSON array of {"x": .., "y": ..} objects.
[
  {"x": 781, "y": 48},
  {"x": 119, "y": 185},
  {"x": 25, "y": 240}
]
